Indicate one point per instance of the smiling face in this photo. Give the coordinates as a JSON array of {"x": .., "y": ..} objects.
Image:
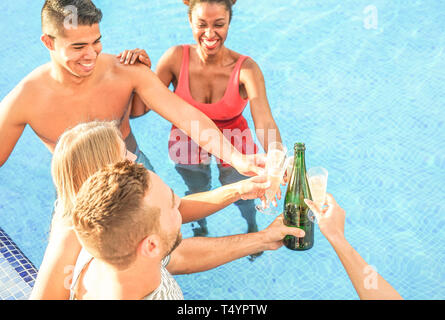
[
  {"x": 77, "y": 49},
  {"x": 210, "y": 26}
]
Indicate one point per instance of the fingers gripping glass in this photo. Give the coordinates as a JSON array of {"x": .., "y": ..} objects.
[
  {"x": 276, "y": 164},
  {"x": 318, "y": 181}
]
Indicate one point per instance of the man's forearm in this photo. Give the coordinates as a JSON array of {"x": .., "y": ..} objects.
[
  {"x": 199, "y": 254},
  {"x": 366, "y": 281},
  {"x": 202, "y": 130},
  {"x": 200, "y": 205},
  {"x": 192, "y": 121}
]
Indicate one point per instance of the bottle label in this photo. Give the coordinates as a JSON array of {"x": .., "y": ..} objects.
[{"x": 299, "y": 217}]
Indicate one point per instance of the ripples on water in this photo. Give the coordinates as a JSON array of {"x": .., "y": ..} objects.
[{"x": 367, "y": 103}]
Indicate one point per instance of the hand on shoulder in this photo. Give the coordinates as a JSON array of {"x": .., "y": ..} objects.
[{"x": 130, "y": 57}]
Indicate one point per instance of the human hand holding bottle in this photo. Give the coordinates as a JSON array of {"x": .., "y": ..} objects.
[{"x": 272, "y": 237}]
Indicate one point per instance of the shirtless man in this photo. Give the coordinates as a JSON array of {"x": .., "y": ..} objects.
[{"x": 81, "y": 84}]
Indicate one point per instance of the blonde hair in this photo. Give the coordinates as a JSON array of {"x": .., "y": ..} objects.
[
  {"x": 110, "y": 216},
  {"x": 79, "y": 153}
]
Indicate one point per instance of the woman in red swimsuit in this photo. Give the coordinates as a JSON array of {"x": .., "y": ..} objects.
[{"x": 220, "y": 82}]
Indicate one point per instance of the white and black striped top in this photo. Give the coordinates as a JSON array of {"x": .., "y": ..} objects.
[{"x": 167, "y": 290}]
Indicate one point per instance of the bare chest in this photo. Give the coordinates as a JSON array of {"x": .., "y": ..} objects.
[{"x": 55, "y": 111}]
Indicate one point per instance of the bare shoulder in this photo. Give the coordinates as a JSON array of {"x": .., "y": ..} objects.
[
  {"x": 171, "y": 58},
  {"x": 112, "y": 68},
  {"x": 29, "y": 87},
  {"x": 173, "y": 53},
  {"x": 250, "y": 71},
  {"x": 250, "y": 65},
  {"x": 110, "y": 63},
  {"x": 135, "y": 75},
  {"x": 38, "y": 78},
  {"x": 14, "y": 107}
]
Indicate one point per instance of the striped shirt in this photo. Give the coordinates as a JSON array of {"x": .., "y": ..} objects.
[{"x": 167, "y": 290}]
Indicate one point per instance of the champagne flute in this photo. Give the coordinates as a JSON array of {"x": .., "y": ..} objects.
[
  {"x": 318, "y": 182},
  {"x": 276, "y": 164},
  {"x": 289, "y": 167}
]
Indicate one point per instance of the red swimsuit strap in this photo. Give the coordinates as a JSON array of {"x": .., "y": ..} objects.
[{"x": 231, "y": 104}]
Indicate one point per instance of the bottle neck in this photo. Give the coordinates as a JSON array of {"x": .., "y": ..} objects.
[
  {"x": 298, "y": 175},
  {"x": 298, "y": 189},
  {"x": 299, "y": 160}
]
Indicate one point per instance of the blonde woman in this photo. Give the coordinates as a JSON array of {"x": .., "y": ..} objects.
[{"x": 81, "y": 152}]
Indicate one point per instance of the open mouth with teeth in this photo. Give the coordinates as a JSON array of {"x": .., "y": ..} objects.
[
  {"x": 87, "y": 66},
  {"x": 210, "y": 44}
]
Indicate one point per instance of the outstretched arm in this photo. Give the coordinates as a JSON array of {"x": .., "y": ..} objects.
[
  {"x": 200, "y": 205},
  {"x": 12, "y": 120},
  {"x": 366, "y": 281},
  {"x": 189, "y": 119},
  {"x": 200, "y": 254},
  {"x": 253, "y": 80}
]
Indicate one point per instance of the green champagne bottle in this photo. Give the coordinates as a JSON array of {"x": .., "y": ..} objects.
[{"x": 296, "y": 212}]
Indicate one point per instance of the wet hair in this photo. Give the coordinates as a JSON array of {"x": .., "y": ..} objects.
[
  {"x": 227, "y": 3},
  {"x": 55, "y": 12}
]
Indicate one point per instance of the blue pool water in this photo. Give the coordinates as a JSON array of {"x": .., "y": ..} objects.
[{"x": 361, "y": 83}]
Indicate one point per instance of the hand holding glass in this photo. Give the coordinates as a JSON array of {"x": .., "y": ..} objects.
[
  {"x": 318, "y": 181},
  {"x": 276, "y": 164}
]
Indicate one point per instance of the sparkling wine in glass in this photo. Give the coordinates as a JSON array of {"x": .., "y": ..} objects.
[
  {"x": 276, "y": 165},
  {"x": 318, "y": 181}
]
